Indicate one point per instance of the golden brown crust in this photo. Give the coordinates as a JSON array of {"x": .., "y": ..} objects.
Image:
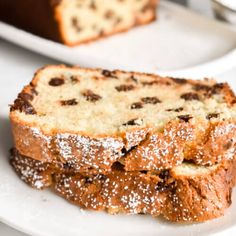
[
  {"x": 203, "y": 197},
  {"x": 102, "y": 152},
  {"x": 22, "y": 14},
  {"x": 160, "y": 151},
  {"x": 178, "y": 197},
  {"x": 179, "y": 139},
  {"x": 215, "y": 145},
  {"x": 35, "y": 173},
  {"x": 157, "y": 151}
]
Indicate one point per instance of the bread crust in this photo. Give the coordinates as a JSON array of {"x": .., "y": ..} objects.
[
  {"x": 50, "y": 23},
  {"x": 178, "y": 141},
  {"x": 177, "y": 197},
  {"x": 201, "y": 197},
  {"x": 40, "y": 21},
  {"x": 213, "y": 145}
]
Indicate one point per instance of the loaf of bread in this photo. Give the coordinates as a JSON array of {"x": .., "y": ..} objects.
[
  {"x": 89, "y": 119},
  {"x": 187, "y": 193},
  {"x": 74, "y": 22}
]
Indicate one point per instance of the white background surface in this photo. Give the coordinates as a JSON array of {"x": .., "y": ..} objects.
[{"x": 17, "y": 63}]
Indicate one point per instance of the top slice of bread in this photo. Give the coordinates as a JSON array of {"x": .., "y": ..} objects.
[{"x": 96, "y": 117}]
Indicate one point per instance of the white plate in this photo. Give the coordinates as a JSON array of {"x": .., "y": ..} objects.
[
  {"x": 180, "y": 42},
  {"x": 42, "y": 213}
]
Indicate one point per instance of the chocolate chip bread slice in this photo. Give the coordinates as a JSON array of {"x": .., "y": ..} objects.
[
  {"x": 92, "y": 118},
  {"x": 74, "y": 22},
  {"x": 187, "y": 193}
]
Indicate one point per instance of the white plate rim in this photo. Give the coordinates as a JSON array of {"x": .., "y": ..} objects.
[{"x": 212, "y": 68}]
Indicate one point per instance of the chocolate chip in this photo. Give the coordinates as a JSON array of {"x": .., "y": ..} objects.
[
  {"x": 212, "y": 115},
  {"x": 133, "y": 122},
  {"x": 201, "y": 87},
  {"x": 217, "y": 88},
  {"x": 179, "y": 109},
  {"x": 34, "y": 91},
  {"x": 228, "y": 145},
  {"x": 134, "y": 79},
  {"x": 29, "y": 109},
  {"x": 91, "y": 96},
  {"x": 150, "y": 100},
  {"x": 150, "y": 83},
  {"x": 123, "y": 151},
  {"x": 190, "y": 96},
  {"x": 155, "y": 82},
  {"x": 23, "y": 105},
  {"x": 136, "y": 105},
  {"x": 70, "y": 102},
  {"x": 178, "y": 80},
  {"x": 93, "y": 5},
  {"x": 75, "y": 24},
  {"x": 108, "y": 73},
  {"x": 219, "y": 85},
  {"x": 26, "y": 96},
  {"x": 125, "y": 87},
  {"x": 74, "y": 79},
  {"x": 118, "y": 20},
  {"x": 176, "y": 110},
  {"x": 109, "y": 14},
  {"x": 88, "y": 180},
  {"x": 13, "y": 152},
  {"x": 66, "y": 166},
  {"x": 165, "y": 174},
  {"x": 117, "y": 166},
  {"x": 209, "y": 90},
  {"x": 162, "y": 186},
  {"x": 102, "y": 177},
  {"x": 101, "y": 33},
  {"x": 165, "y": 181},
  {"x": 56, "y": 82},
  {"x": 185, "y": 118}
]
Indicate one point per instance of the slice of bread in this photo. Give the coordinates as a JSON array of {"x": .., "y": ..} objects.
[
  {"x": 92, "y": 118},
  {"x": 74, "y": 22},
  {"x": 187, "y": 193}
]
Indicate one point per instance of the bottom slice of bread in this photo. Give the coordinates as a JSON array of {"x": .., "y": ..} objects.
[{"x": 187, "y": 193}]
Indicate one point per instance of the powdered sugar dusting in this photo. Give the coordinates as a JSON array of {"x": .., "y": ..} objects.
[
  {"x": 32, "y": 172},
  {"x": 136, "y": 192}
]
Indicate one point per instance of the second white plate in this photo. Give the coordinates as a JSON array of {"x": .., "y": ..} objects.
[{"x": 179, "y": 43}]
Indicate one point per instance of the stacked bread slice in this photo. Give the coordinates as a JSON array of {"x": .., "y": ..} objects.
[{"x": 128, "y": 142}]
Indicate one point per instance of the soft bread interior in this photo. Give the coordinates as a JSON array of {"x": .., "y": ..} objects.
[
  {"x": 96, "y": 103},
  {"x": 191, "y": 170},
  {"x": 83, "y": 20}
]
